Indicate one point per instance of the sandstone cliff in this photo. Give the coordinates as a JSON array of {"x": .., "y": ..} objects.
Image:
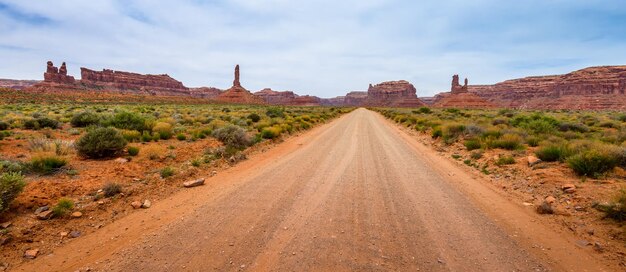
[
  {"x": 459, "y": 97},
  {"x": 153, "y": 84},
  {"x": 237, "y": 94},
  {"x": 393, "y": 94}
]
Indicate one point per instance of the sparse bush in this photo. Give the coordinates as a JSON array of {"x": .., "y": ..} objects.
[
  {"x": 616, "y": 209},
  {"x": 101, "y": 143},
  {"x": 133, "y": 150},
  {"x": 59, "y": 147},
  {"x": 573, "y": 127},
  {"x": 111, "y": 189},
  {"x": 452, "y": 131},
  {"x": 11, "y": 185},
  {"x": 254, "y": 117},
  {"x": 232, "y": 135},
  {"x": 181, "y": 137},
  {"x": 424, "y": 110},
  {"x": 593, "y": 162},
  {"x": 472, "y": 144},
  {"x": 35, "y": 124},
  {"x": 154, "y": 152},
  {"x": 131, "y": 135},
  {"x": 533, "y": 141},
  {"x": 505, "y": 160},
  {"x": 508, "y": 141},
  {"x": 127, "y": 120},
  {"x": 552, "y": 152},
  {"x": 437, "y": 133},
  {"x": 163, "y": 129},
  {"x": 63, "y": 206},
  {"x": 47, "y": 164},
  {"x": 274, "y": 112},
  {"x": 476, "y": 154},
  {"x": 4, "y": 125},
  {"x": 270, "y": 132},
  {"x": 167, "y": 172},
  {"x": 85, "y": 119}
]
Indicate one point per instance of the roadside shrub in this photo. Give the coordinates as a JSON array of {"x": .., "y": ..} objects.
[
  {"x": 4, "y": 125},
  {"x": 472, "y": 144},
  {"x": 85, "y": 119},
  {"x": 552, "y": 153},
  {"x": 424, "y": 110},
  {"x": 593, "y": 162},
  {"x": 452, "y": 131},
  {"x": 616, "y": 209},
  {"x": 59, "y": 147},
  {"x": 496, "y": 122},
  {"x": 533, "y": 141},
  {"x": 63, "y": 206},
  {"x": 270, "y": 132},
  {"x": 437, "y": 133},
  {"x": 167, "y": 172},
  {"x": 127, "y": 120},
  {"x": 254, "y": 117},
  {"x": 39, "y": 123},
  {"x": 505, "y": 160},
  {"x": 11, "y": 185},
  {"x": 47, "y": 164},
  {"x": 573, "y": 127},
  {"x": 133, "y": 150},
  {"x": 508, "y": 141},
  {"x": 232, "y": 135},
  {"x": 7, "y": 166},
  {"x": 477, "y": 154},
  {"x": 163, "y": 129},
  {"x": 181, "y": 137},
  {"x": 101, "y": 143},
  {"x": 274, "y": 112},
  {"x": 111, "y": 189},
  {"x": 131, "y": 135}
]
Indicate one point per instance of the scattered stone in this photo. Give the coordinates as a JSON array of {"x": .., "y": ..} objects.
[
  {"x": 532, "y": 160},
  {"x": 74, "y": 234},
  {"x": 527, "y": 204},
  {"x": 31, "y": 253},
  {"x": 213, "y": 173},
  {"x": 45, "y": 215},
  {"x": 569, "y": 188},
  {"x": 121, "y": 160},
  {"x": 598, "y": 247},
  {"x": 77, "y": 214},
  {"x": 4, "y": 266},
  {"x": 193, "y": 183},
  {"x": 146, "y": 204},
  {"x": 136, "y": 204},
  {"x": 64, "y": 234},
  {"x": 591, "y": 231},
  {"x": 545, "y": 208},
  {"x": 41, "y": 209},
  {"x": 5, "y": 239},
  {"x": 582, "y": 243},
  {"x": 550, "y": 199},
  {"x": 579, "y": 208},
  {"x": 6, "y": 225}
]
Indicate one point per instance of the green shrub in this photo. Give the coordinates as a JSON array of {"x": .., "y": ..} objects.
[
  {"x": 452, "y": 131},
  {"x": 11, "y": 185},
  {"x": 85, "y": 119},
  {"x": 101, "y": 143},
  {"x": 47, "y": 164},
  {"x": 270, "y": 132},
  {"x": 163, "y": 129},
  {"x": 616, "y": 209},
  {"x": 472, "y": 144},
  {"x": 111, "y": 189},
  {"x": 254, "y": 117},
  {"x": 133, "y": 150},
  {"x": 63, "y": 206},
  {"x": 505, "y": 160},
  {"x": 39, "y": 123},
  {"x": 573, "y": 127},
  {"x": 533, "y": 141},
  {"x": 552, "y": 153},
  {"x": 4, "y": 125},
  {"x": 232, "y": 135},
  {"x": 181, "y": 137},
  {"x": 167, "y": 172},
  {"x": 508, "y": 141},
  {"x": 476, "y": 154},
  {"x": 131, "y": 135},
  {"x": 127, "y": 120},
  {"x": 274, "y": 112},
  {"x": 593, "y": 162},
  {"x": 424, "y": 110},
  {"x": 437, "y": 133}
]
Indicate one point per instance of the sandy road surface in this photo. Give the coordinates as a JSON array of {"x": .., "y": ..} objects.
[{"x": 351, "y": 195}]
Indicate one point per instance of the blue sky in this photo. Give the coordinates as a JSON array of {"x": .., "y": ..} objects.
[{"x": 324, "y": 48}]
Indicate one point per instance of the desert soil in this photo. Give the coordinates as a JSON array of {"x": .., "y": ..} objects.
[{"x": 355, "y": 194}]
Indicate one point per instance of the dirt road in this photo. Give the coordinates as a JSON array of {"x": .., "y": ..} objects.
[{"x": 355, "y": 195}]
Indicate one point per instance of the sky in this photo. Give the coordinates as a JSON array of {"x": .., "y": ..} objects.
[{"x": 324, "y": 48}]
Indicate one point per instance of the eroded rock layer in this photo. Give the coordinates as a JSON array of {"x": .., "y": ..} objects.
[
  {"x": 238, "y": 94},
  {"x": 393, "y": 94},
  {"x": 459, "y": 97},
  {"x": 154, "y": 84},
  {"x": 601, "y": 87}
]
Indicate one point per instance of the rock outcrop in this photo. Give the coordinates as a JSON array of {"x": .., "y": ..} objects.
[
  {"x": 238, "y": 94},
  {"x": 153, "y": 84},
  {"x": 601, "y": 87},
  {"x": 17, "y": 84},
  {"x": 355, "y": 98},
  {"x": 205, "y": 92},
  {"x": 335, "y": 101},
  {"x": 57, "y": 75},
  {"x": 276, "y": 98},
  {"x": 393, "y": 94},
  {"x": 459, "y": 97}
]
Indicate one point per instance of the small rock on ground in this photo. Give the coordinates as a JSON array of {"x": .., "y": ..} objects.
[
  {"x": 146, "y": 204},
  {"x": 45, "y": 215},
  {"x": 31, "y": 253},
  {"x": 136, "y": 204},
  {"x": 545, "y": 208},
  {"x": 193, "y": 183},
  {"x": 77, "y": 214}
]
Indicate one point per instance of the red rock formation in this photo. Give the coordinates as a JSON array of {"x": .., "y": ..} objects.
[
  {"x": 306, "y": 100},
  {"x": 237, "y": 94},
  {"x": 590, "y": 88},
  {"x": 355, "y": 98},
  {"x": 205, "y": 92},
  {"x": 276, "y": 98},
  {"x": 154, "y": 84},
  {"x": 393, "y": 94},
  {"x": 58, "y": 76},
  {"x": 17, "y": 84},
  {"x": 459, "y": 97},
  {"x": 335, "y": 101}
]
